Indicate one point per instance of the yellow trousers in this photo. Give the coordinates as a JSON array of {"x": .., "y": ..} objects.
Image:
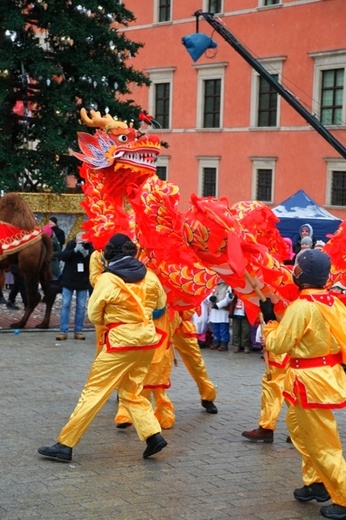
[
  {"x": 314, "y": 433},
  {"x": 156, "y": 381},
  {"x": 124, "y": 371},
  {"x": 185, "y": 341},
  {"x": 272, "y": 398},
  {"x": 155, "y": 384}
]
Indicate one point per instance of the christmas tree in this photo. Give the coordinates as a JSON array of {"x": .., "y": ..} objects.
[{"x": 57, "y": 56}]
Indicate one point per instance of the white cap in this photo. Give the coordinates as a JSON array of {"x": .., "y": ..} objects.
[{"x": 319, "y": 244}]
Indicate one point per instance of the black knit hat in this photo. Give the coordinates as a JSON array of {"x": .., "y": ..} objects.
[
  {"x": 314, "y": 268},
  {"x": 53, "y": 219},
  {"x": 118, "y": 246}
]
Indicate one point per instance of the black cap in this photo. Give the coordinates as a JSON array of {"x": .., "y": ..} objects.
[
  {"x": 53, "y": 219},
  {"x": 315, "y": 268},
  {"x": 118, "y": 246}
]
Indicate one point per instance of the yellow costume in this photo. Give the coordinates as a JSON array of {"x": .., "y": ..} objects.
[
  {"x": 312, "y": 332},
  {"x": 96, "y": 268},
  {"x": 157, "y": 380},
  {"x": 185, "y": 341},
  {"x": 272, "y": 398},
  {"x": 126, "y": 310}
]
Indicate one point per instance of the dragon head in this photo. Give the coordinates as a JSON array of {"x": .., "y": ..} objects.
[{"x": 117, "y": 146}]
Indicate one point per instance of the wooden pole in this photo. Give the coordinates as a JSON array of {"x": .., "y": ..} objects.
[{"x": 263, "y": 299}]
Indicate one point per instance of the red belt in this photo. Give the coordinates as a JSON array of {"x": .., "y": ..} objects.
[{"x": 323, "y": 361}]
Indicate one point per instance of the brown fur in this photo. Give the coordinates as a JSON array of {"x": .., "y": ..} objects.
[
  {"x": 33, "y": 261},
  {"x": 15, "y": 211}
]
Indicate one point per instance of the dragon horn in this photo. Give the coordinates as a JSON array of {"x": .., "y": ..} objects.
[{"x": 98, "y": 121}]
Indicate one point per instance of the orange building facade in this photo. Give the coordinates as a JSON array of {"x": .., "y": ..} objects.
[{"x": 229, "y": 132}]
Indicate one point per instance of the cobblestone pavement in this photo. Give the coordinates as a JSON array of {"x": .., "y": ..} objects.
[
  {"x": 207, "y": 472},
  {"x": 9, "y": 316}
]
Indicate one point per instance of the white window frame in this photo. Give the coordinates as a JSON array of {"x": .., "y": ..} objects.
[
  {"x": 327, "y": 61},
  {"x": 164, "y": 160},
  {"x": 207, "y": 72},
  {"x": 262, "y": 163},
  {"x": 333, "y": 165},
  {"x": 273, "y": 66},
  {"x": 156, "y": 13},
  {"x": 164, "y": 75},
  {"x": 208, "y": 162},
  {"x": 205, "y": 6}
]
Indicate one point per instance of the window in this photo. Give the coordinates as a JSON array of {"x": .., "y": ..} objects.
[
  {"x": 265, "y": 106},
  {"x": 267, "y": 103},
  {"x": 264, "y": 184},
  {"x": 329, "y": 87},
  {"x": 208, "y": 176},
  {"x": 210, "y": 95},
  {"x": 161, "y": 172},
  {"x": 332, "y": 96},
  {"x": 162, "y": 11},
  {"x": 162, "y": 167},
  {"x": 338, "y": 191},
  {"x": 162, "y": 104},
  {"x": 336, "y": 182},
  {"x": 265, "y": 3},
  {"x": 209, "y": 182},
  {"x": 160, "y": 95},
  {"x": 214, "y": 6},
  {"x": 263, "y": 178}
]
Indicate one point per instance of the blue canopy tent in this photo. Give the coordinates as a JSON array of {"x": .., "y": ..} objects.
[{"x": 301, "y": 209}]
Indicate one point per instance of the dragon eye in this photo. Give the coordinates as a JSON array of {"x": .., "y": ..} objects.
[{"x": 123, "y": 138}]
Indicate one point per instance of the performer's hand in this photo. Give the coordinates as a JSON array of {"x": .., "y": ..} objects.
[
  {"x": 214, "y": 306},
  {"x": 267, "y": 309}
]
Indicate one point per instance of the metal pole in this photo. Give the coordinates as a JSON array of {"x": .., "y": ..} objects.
[{"x": 311, "y": 119}]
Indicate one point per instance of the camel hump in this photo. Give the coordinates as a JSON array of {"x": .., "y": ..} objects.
[{"x": 15, "y": 211}]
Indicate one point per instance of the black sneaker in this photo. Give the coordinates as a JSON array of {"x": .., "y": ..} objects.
[
  {"x": 57, "y": 452},
  {"x": 209, "y": 406},
  {"x": 12, "y": 306},
  {"x": 316, "y": 491},
  {"x": 334, "y": 512},
  {"x": 123, "y": 425},
  {"x": 155, "y": 443}
]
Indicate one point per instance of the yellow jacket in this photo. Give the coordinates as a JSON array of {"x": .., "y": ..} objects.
[
  {"x": 313, "y": 326},
  {"x": 125, "y": 309}
]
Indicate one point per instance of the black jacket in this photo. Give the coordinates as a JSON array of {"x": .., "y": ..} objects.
[
  {"x": 75, "y": 275},
  {"x": 60, "y": 235}
]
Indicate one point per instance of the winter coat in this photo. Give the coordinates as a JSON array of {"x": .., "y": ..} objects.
[
  {"x": 126, "y": 308},
  {"x": 75, "y": 274},
  {"x": 55, "y": 261}
]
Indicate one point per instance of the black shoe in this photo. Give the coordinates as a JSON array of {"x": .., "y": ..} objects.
[
  {"x": 123, "y": 425},
  {"x": 3, "y": 301},
  {"x": 155, "y": 443},
  {"x": 202, "y": 344},
  {"x": 209, "y": 406},
  {"x": 334, "y": 511},
  {"x": 57, "y": 452},
  {"x": 12, "y": 306},
  {"x": 288, "y": 439},
  {"x": 316, "y": 491}
]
